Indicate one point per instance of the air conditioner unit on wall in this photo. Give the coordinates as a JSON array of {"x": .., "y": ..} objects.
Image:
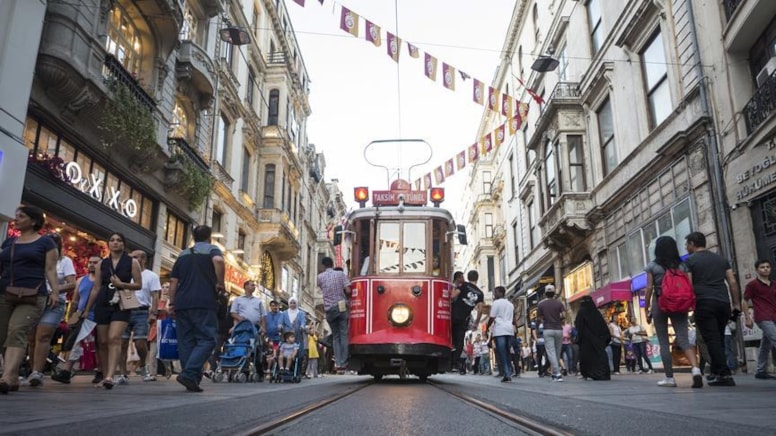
[{"x": 766, "y": 72}]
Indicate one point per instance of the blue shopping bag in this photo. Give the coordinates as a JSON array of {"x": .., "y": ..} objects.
[{"x": 168, "y": 340}]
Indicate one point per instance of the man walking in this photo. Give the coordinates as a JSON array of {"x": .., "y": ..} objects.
[
  {"x": 465, "y": 298},
  {"x": 709, "y": 273},
  {"x": 551, "y": 313},
  {"x": 195, "y": 281},
  {"x": 502, "y": 313},
  {"x": 335, "y": 286},
  {"x": 761, "y": 294}
]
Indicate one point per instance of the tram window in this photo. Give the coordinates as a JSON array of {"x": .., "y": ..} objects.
[
  {"x": 388, "y": 247},
  {"x": 363, "y": 246},
  {"x": 414, "y": 247}
]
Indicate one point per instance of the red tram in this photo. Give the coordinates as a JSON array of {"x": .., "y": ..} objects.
[{"x": 401, "y": 264}]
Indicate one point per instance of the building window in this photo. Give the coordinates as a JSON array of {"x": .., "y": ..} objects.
[
  {"x": 256, "y": 26},
  {"x": 241, "y": 244},
  {"x": 180, "y": 127},
  {"x": 535, "y": 18},
  {"x": 576, "y": 164},
  {"x": 246, "y": 171},
  {"x": 512, "y": 181},
  {"x": 488, "y": 225},
  {"x": 618, "y": 262},
  {"x": 215, "y": 223},
  {"x": 226, "y": 53},
  {"x": 222, "y": 143},
  {"x": 269, "y": 186},
  {"x": 487, "y": 182},
  {"x": 520, "y": 60},
  {"x": 175, "y": 230},
  {"x": 490, "y": 261},
  {"x": 563, "y": 63},
  {"x": 552, "y": 175},
  {"x": 532, "y": 226},
  {"x": 274, "y": 105},
  {"x": 606, "y": 137},
  {"x": 250, "y": 88},
  {"x": 516, "y": 236},
  {"x": 124, "y": 40},
  {"x": 653, "y": 59},
  {"x": 188, "y": 29},
  {"x": 596, "y": 28}
]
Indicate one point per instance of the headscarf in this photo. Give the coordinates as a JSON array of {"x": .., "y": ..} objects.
[
  {"x": 292, "y": 313},
  {"x": 591, "y": 319}
]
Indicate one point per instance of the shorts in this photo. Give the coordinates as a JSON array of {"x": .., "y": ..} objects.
[
  {"x": 105, "y": 313},
  {"x": 17, "y": 321},
  {"x": 52, "y": 316},
  {"x": 138, "y": 324}
]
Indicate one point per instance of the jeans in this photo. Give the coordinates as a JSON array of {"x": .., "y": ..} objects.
[
  {"x": 502, "y": 354},
  {"x": 640, "y": 349},
  {"x": 553, "y": 339},
  {"x": 458, "y": 336},
  {"x": 338, "y": 321},
  {"x": 541, "y": 359},
  {"x": 567, "y": 352},
  {"x": 680, "y": 324},
  {"x": 609, "y": 357},
  {"x": 730, "y": 353},
  {"x": 711, "y": 317},
  {"x": 197, "y": 331},
  {"x": 485, "y": 364},
  {"x": 767, "y": 343}
]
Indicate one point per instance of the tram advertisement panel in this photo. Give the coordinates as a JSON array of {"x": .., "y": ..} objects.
[
  {"x": 441, "y": 299},
  {"x": 358, "y": 306}
]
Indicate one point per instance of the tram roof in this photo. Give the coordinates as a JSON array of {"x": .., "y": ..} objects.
[{"x": 407, "y": 212}]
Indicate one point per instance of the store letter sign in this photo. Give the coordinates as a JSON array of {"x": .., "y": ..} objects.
[{"x": 93, "y": 188}]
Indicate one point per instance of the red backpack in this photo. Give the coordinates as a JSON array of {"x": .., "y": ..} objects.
[{"x": 676, "y": 294}]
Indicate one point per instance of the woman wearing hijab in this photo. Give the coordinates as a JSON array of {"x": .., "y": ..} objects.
[
  {"x": 295, "y": 320},
  {"x": 593, "y": 337}
]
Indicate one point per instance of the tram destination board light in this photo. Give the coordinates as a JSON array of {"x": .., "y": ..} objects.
[
  {"x": 361, "y": 195},
  {"x": 437, "y": 196}
]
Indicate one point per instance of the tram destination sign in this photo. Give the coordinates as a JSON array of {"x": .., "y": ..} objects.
[{"x": 392, "y": 198}]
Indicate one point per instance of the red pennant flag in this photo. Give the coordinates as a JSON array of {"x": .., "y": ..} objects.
[
  {"x": 413, "y": 50},
  {"x": 474, "y": 152},
  {"x": 448, "y": 76},
  {"x": 439, "y": 176},
  {"x": 499, "y": 135},
  {"x": 487, "y": 143},
  {"x": 393, "y": 45},
  {"x": 478, "y": 93},
  {"x": 349, "y": 21},
  {"x": 373, "y": 33},
  {"x": 449, "y": 168},
  {"x": 460, "y": 160},
  {"x": 492, "y": 99},
  {"x": 299, "y": 2},
  {"x": 514, "y": 124},
  {"x": 537, "y": 98},
  {"x": 430, "y": 67},
  {"x": 427, "y": 181}
]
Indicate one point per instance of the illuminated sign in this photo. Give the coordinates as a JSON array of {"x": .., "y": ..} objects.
[
  {"x": 92, "y": 186},
  {"x": 391, "y": 198}
]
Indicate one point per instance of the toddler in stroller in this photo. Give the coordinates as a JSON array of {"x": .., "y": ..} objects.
[
  {"x": 287, "y": 361},
  {"x": 241, "y": 356}
]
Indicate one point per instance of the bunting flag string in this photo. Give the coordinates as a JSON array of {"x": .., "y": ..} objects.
[{"x": 373, "y": 33}]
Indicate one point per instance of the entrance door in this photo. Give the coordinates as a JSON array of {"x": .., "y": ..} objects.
[{"x": 764, "y": 220}]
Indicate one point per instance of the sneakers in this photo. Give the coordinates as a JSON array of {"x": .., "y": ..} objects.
[
  {"x": 35, "y": 379},
  {"x": 667, "y": 382},
  {"x": 190, "y": 385},
  {"x": 98, "y": 377},
  {"x": 723, "y": 380},
  {"x": 506, "y": 379},
  {"x": 764, "y": 376},
  {"x": 650, "y": 372},
  {"x": 149, "y": 378},
  {"x": 62, "y": 376},
  {"x": 122, "y": 380},
  {"x": 697, "y": 378},
  {"x": 557, "y": 378}
]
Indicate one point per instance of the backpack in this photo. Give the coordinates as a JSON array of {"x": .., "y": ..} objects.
[{"x": 676, "y": 294}]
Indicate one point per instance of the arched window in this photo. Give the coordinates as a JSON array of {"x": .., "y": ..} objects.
[
  {"x": 181, "y": 126},
  {"x": 124, "y": 40},
  {"x": 274, "y": 107},
  {"x": 269, "y": 186}
]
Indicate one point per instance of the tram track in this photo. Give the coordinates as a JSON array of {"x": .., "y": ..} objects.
[{"x": 520, "y": 423}]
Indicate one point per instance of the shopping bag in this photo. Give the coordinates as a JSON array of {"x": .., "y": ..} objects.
[
  {"x": 167, "y": 337},
  {"x": 89, "y": 356}
]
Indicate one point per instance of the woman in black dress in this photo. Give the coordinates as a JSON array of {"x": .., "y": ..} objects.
[
  {"x": 592, "y": 337},
  {"x": 117, "y": 272}
]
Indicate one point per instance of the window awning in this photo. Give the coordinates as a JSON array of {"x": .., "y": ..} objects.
[
  {"x": 614, "y": 291},
  {"x": 533, "y": 281}
]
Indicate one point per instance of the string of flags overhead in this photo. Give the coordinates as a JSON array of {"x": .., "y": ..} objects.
[{"x": 508, "y": 106}]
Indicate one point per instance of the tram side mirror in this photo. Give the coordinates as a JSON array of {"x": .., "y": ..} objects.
[
  {"x": 337, "y": 235},
  {"x": 460, "y": 229}
]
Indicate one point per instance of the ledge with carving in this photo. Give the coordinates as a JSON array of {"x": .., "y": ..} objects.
[{"x": 566, "y": 223}]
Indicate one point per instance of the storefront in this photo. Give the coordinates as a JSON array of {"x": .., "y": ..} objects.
[{"x": 578, "y": 283}]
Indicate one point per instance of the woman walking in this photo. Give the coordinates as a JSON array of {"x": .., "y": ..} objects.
[
  {"x": 117, "y": 272},
  {"x": 666, "y": 259},
  {"x": 26, "y": 261},
  {"x": 593, "y": 337}
]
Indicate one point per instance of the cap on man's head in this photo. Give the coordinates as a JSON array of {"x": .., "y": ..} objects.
[{"x": 549, "y": 289}]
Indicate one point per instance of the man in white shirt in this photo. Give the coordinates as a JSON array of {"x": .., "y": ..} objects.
[
  {"x": 502, "y": 314},
  {"x": 141, "y": 318},
  {"x": 639, "y": 338},
  {"x": 249, "y": 307}
]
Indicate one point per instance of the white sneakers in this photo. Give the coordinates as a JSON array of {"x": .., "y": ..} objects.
[
  {"x": 667, "y": 382},
  {"x": 35, "y": 379}
]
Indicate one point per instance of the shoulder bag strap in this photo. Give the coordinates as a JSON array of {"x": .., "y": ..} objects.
[{"x": 13, "y": 244}]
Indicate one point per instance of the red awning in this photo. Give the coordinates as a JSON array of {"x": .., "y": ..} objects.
[{"x": 614, "y": 291}]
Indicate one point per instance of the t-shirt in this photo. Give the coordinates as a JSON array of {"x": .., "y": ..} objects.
[
  {"x": 708, "y": 276},
  {"x": 633, "y": 332},
  {"x": 274, "y": 321},
  {"x": 196, "y": 277},
  {"x": 658, "y": 272},
  {"x": 65, "y": 268},
  {"x": 29, "y": 263},
  {"x": 250, "y": 308},
  {"x": 84, "y": 290},
  {"x": 466, "y": 301},
  {"x": 150, "y": 284},
  {"x": 503, "y": 312},
  {"x": 616, "y": 332},
  {"x": 550, "y": 310},
  {"x": 763, "y": 297},
  {"x": 566, "y": 334},
  {"x": 287, "y": 349}
]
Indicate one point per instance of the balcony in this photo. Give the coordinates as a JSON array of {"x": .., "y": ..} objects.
[
  {"x": 565, "y": 225},
  {"x": 179, "y": 146},
  {"x": 562, "y": 112},
  {"x": 499, "y": 235},
  {"x": 746, "y": 22},
  {"x": 195, "y": 65},
  {"x": 221, "y": 175},
  {"x": 761, "y": 105},
  {"x": 114, "y": 70},
  {"x": 277, "y": 233}
]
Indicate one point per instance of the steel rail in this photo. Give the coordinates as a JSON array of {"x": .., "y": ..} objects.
[{"x": 531, "y": 425}]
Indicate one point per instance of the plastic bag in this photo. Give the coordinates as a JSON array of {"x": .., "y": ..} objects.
[{"x": 167, "y": 338}]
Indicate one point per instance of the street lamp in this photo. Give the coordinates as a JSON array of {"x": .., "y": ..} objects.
[
  {"x": 234, "y": 35},
  {"x": 545, "y": 63}
]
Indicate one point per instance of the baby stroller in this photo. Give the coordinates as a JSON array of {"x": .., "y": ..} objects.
[
  {"x": 240, "y": 356},
  {"x": 280, "y": 375}
]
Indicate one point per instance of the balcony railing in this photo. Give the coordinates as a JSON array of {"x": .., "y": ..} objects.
[
  {"x": 277, "y": 57},
  {"x": 761, "y": 105},
  {"x": 181, "y": 146},
  {"x": 565, "y": 90},
  {"x": 731, "y": 6},
  {"x": 114, "y": 70},
  {"x": 222, "y": 175}
]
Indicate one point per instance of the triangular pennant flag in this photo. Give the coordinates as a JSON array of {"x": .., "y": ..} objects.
[
  {"x": 499, "y": 135},
  {"x": 492, "y": 99},
  {"x": 373, "y": 33},
  {"x": 487, "y": 143},
  {"x": 393, "y": 46},
  {"x": 448, "y": 76},
  {"x": 474, "y": 152},
  {"x": 464, "y": 76},
  {"x": 349, "y": 21},
  {"x": 414, "y": 53},
  {"x": 514, "y": 124},
  {"x": 320, "y": 1},
  {"x": 449, "y": 168},
  {"x": 299, "y": 2},
  {"x": 478, "y": 92},
  {"x": 427, "y": 181},
  {"x": 439, "y": 175},
  {"x": 429, "y": 66},
  {"x": 460, "y": 160},
  {"x": 417, "y": 185}
]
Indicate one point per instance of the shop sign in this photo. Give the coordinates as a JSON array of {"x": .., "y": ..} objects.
[
  {"x": 579, "y": 280},
  {"x": 92, "y": 186}
]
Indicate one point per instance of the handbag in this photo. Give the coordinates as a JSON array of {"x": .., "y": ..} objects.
[
  {"x": 128, "y": 300},
  {"x": 18, "y": 294}
]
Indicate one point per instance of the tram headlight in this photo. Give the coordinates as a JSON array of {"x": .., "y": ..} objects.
[{"x": 400, "y": 315}]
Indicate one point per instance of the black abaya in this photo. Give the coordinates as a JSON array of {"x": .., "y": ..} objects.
[{"x": 593, "y": 337}]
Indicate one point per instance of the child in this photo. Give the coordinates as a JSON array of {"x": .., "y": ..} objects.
[
  {"x": 630, "y": 357},
  {"x": 287, "y": 351}
]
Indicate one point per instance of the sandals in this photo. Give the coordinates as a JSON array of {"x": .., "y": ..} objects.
[
  {"x": 107, "y": 383},
  {"x": 5, "y": 387}
]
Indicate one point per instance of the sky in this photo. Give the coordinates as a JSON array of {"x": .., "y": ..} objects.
[{"x": 359, "y": 95}]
